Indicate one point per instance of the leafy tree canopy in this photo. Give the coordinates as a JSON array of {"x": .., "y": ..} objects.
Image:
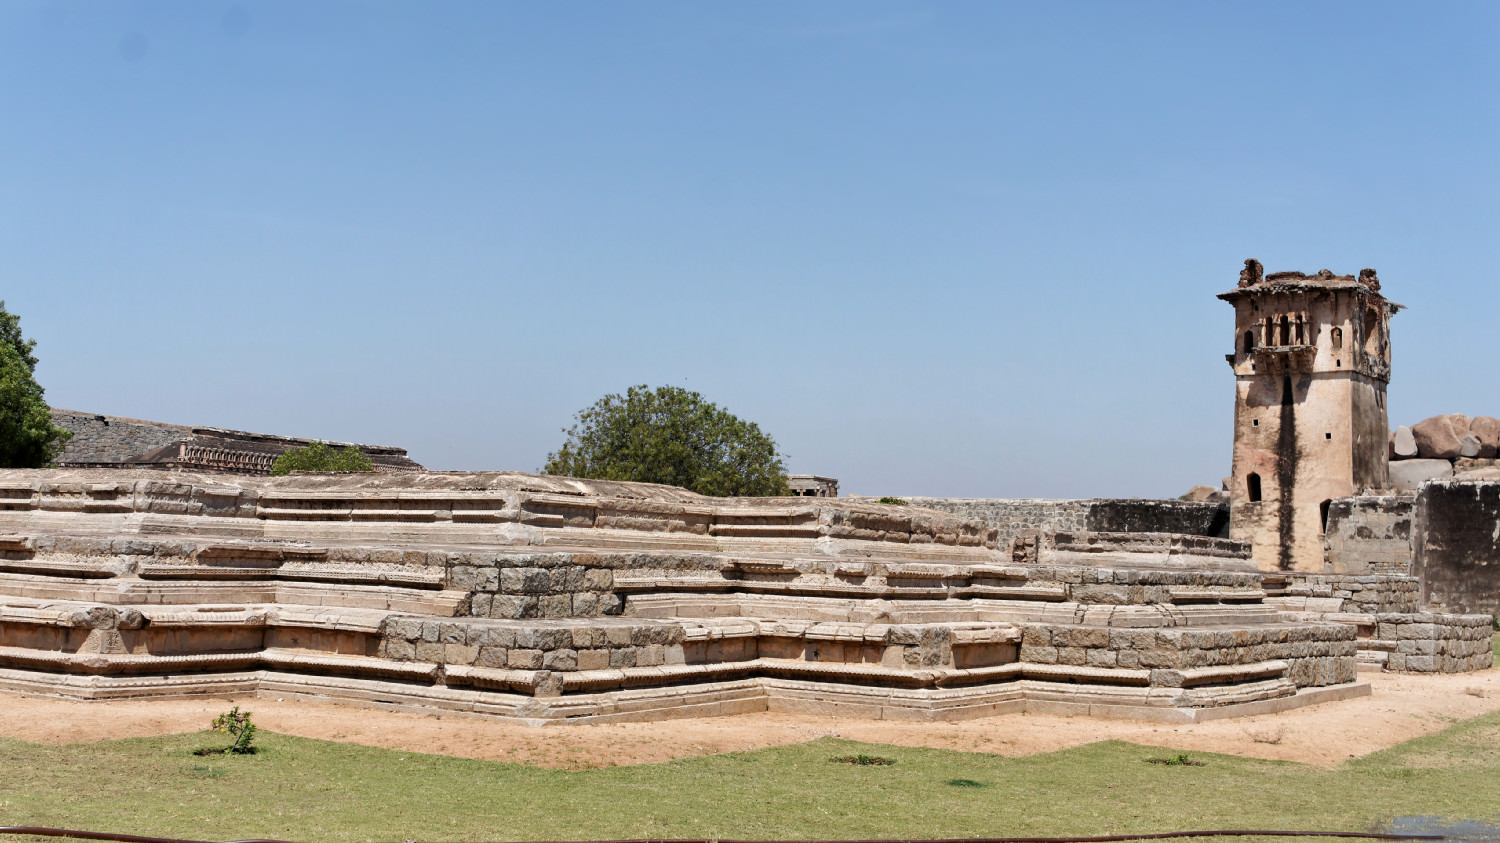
[
  {"x": 28, "y": 438},
  {"x": 318, "y": 456},
  {"x": 673, "y": 436}
]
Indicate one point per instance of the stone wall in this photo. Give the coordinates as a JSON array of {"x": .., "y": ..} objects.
[
  {"x": 1369, "y": 594},
  {"x": 1318, "y": 654},
  {"x": 111, "y": 439},
  {"x": 1434, "y": 642},
  {"x": 1369, "y": 534},
  {"x": 1456, "y": 544},
  {"x": 1010, "y": 517},
  {"x": 1122, "y": 515}
]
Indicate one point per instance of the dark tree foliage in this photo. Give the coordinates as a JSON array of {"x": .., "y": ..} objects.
[
  {"x": 673, "y": 436},
  {"x": 318, "y": 456},
  {"x": 28, "y": 438}
]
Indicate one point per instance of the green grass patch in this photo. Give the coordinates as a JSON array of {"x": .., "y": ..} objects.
[{"x": 309, "y": 790}]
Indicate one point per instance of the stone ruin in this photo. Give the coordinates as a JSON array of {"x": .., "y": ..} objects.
[
  {"x": 101, "y": 441},
  {"x": 551, "y": 599}
]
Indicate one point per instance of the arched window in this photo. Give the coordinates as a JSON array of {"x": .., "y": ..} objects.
[
  {"x": 1338, "y": 338},
  {"x": 1252, "y": 483},
  {"x": 1284, "y": 335},
  {"x": 1249, "y": 341}
]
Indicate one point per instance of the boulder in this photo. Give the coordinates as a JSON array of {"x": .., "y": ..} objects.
[
  {"x": 1407, "y": 475},
  {"x": 1488, "y": 431},
  {"x": 1469, "y": 447},
  {"x": 1199, "y": 494},
  {"x": 1479, "y": 474},
  {"x": 1403, "y": 444},
  {"x": 1440, "y": 437}
]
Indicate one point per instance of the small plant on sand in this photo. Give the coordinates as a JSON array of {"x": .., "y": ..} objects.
[
  {"x": 889, "y": 501},
  {"x": 236, "y": 724}
]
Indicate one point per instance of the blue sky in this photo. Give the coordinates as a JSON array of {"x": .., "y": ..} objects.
[{"x": 964, "y": 249}]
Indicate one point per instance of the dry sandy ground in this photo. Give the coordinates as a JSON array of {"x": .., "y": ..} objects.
[{"x": 1401, "y": 708}]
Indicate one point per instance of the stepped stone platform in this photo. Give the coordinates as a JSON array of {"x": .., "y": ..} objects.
[{"x": 548, "y": 599}]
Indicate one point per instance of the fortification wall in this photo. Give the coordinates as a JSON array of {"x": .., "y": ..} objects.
[
  {"x": 1369, "y": 534},
  {"x": 1456, "y": 544},
  {"x": 111, "y": 439},
  {"x": 107, "y": 441}
]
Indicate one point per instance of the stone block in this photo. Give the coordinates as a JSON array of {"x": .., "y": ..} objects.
[
  {"x": 480, "y": 605},
  {"x": 560, "y": 660},
  {"x": 1038, "y": 654},
  {"x": 593, "y": 659},
  {"x": 399, "y": 649},
  {"x": 585, "y": 604},
  {"x": 469, "y": 578},
  {"x": 524, "y": 581},
  {"x": 497, "y": 636},
  {"x": 513, "y": 606},
  {"x": 556, "y": 606},
  {"x": 459, "y": 654},
  {"x": 407, "y": 628},
  {"x": 524, "y": 659},
  {"x": 492, "y": 657}
]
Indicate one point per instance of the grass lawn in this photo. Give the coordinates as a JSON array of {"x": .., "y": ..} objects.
[{"x": 309, "y": 790}]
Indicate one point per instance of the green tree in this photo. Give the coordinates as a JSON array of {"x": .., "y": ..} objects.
[
  {"x": 318, "y": 456},
  {"x": 672, "y": 436},
  {"x": 28, "y": 438}
]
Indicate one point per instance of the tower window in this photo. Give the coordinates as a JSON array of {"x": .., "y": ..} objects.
[
  {"x": 1323, "y": 513},
  {"x": 1284, "y": 332},
  {"x": 1252, "y": 484},
  {"x": 1249, "y": 341},
  {"x": 1337, "y": 336},
  {"x": 1328, "y": 436}
]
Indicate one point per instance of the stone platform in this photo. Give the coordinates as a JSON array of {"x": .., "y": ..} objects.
[{"x": 549, "y": 599}]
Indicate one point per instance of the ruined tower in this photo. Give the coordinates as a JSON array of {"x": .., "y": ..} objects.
[{"x": 1312, "y": 357}]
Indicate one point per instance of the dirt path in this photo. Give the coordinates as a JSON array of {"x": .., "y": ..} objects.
[{"x": 1401, "y": 708}]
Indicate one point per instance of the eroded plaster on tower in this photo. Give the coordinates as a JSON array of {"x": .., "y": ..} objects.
[{"x": 1312, "y": 360}]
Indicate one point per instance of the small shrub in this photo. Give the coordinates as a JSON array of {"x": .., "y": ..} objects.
[
  {"x": 892, "y": 501},
  {"x": 1181, "y": 759},
  {"x": 236, "y": 724},
  {"x": 318, "y": 456},
  {"x": 863, "y": 760}
]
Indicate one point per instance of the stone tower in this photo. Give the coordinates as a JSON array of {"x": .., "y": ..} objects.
[{"x": 1312, "y": 357}]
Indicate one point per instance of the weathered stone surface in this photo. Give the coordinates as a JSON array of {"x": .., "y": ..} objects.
[
  {"x": 1440, "y": 437},
  {"x": 1456, "y": 544},
  {"x": 1469, "y": 446},
  {"x": 1487, "y": 430},
  {"x": 1403, "y": 443},
  {"x": 1407, "y": 475}
]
